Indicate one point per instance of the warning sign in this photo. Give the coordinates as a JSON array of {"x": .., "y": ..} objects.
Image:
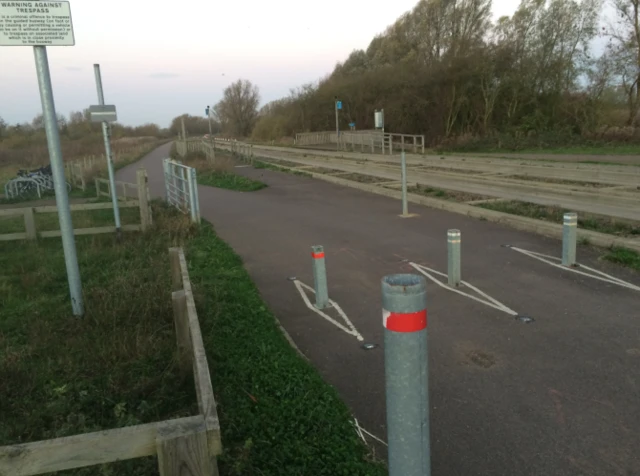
[{"x": 32, "y": 23}]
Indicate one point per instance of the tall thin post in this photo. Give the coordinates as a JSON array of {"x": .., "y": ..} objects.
[
  {"x": 196, "y": 198},
  {"x": 453, "y": 251},
  {"x": 337, "y": 127},
  {"x": 108, "y": 154},
  {"x": 50, "y": 120},
  {"x": 569, "y": 236},
  {"x": 184, "y": 131},
  {"x": 404, "y": 317},
  {"x": 405, "y": 202},
  {"x": 320, "y": 277}
]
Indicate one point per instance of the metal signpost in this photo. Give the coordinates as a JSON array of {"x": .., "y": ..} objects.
[
  {"x": 378, "y": 119},
  {"x": 338, "y": 107},
  {"x": 42, "y": 24},
  {"x": 105, "y": 115},
  {"x": 208, "y": 112}
]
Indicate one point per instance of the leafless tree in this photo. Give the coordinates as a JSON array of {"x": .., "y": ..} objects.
[{"x": 238, "y": 109}]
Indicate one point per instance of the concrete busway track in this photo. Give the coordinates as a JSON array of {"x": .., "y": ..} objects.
[
  {"x": 614, "y": 203},
  {"x": 557, "y": 396},
  {"x": 579, "y": 172}
]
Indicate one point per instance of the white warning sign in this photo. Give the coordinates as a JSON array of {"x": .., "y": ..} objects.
[{"x": 32, "y": 23}]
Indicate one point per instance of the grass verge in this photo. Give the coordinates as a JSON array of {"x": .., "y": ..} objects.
[
  {"x": 277, "y": 414},
  {"x": 624, "y": 256},
  {"x": 555, "y": 214},
  {"x": 116, "y": 367},
  {"x": 451, "y": 195},
  {"x": 230, "y": 181},
  {"x": 258, "y": 164}
]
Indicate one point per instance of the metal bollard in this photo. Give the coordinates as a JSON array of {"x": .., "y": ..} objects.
[
  {"x": 453, "y": 252},
  {"x": 404, "y": 316},
  {"x": 569, "y": 235},
  {"x": 320, "y": 277},
  {"x": 405, "y": 203}
]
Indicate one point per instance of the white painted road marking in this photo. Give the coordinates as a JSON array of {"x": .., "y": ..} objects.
[
  {"x": 349, "y": 329},
  {"x": 597, "y": 274},
  {"x": 360, "y": 431},
  {"x": 488, "y": 300}
]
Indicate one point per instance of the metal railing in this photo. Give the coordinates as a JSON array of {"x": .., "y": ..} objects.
[
  {"x": 182, "y": 188},
  {"x": 374, "y": 140}
]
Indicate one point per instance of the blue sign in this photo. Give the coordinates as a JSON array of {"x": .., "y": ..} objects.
[
  {"x": 339, "y": 104},
  {"x": 352, "y": 124}
]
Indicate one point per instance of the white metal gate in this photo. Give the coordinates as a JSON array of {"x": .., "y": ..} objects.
[{"x": 182, "y": 188}]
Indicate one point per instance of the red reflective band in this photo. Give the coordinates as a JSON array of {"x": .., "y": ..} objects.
[
  {"x": 413, "y": 322},
  {"x": 317, "y": 255}
]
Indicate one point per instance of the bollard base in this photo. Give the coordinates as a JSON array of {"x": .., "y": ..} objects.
[{"x": 409, "y": 215}]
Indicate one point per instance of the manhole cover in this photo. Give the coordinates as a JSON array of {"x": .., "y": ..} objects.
[
  {"x": 525, "y": 319},
  {"x": 369, "y": 346}
]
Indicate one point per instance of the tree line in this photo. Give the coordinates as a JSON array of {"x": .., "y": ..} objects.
[
  {"x": 26, "y": 143},
  {"x": 445, "y": 70}
]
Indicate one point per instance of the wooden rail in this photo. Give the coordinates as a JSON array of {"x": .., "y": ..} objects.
[
  {"x": 184, "y": 446},
  {"x": 191, "y": 346},
  {"x": 124, "y": 186},
  {"x": 31, "y": 232}
]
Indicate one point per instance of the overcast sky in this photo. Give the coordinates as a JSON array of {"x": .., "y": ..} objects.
[{"x": 162, "y": 60}]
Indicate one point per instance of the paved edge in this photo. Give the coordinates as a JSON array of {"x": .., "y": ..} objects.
[{"x": 539, "y": 227}]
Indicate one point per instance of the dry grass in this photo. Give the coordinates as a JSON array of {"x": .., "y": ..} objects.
[{"x": 114, "y": 367}]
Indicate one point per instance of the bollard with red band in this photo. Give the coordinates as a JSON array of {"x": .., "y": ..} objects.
[
  {"x": 319, "y": 277},
  {"x": 404, "y": 316}
]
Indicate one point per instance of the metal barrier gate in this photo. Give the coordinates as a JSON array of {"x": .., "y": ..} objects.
[{"x": 182, "y": 188}]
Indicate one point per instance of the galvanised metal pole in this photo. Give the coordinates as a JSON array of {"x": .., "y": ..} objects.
[
  {"x": 192, "y": 200},
  {"x": 569, "y": 236},
  {"x": 196, "y": 197},
  {"x": 210, "y": 130},
  {"x": 337, "y": 126},
  {"x": 404, "y": 316},
  {"x": 165, "y": 169},
  {"x": 320, "y": 277},
  {"x": 50, "y": 120},
  {"x": 108, "y": 154},
  {"x": 405, "y": 203},
  {"x": 453, "y": 252}
]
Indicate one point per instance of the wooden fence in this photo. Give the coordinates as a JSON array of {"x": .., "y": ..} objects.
[
  {"x": 184, "y": 446},
  {"x": 31, "y": 232},
  {"x": 78, "y": 172}
]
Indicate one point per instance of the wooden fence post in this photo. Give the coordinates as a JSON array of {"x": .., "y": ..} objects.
[
  {"x": 97, "y": 188},
  {"x": 184, "y": 453},
  {"x": 176, "y": 272},
  {"x": 30, "y": 224},
  {"x": 183, "y": 337},
  {"x": 141, "y": 179}
]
